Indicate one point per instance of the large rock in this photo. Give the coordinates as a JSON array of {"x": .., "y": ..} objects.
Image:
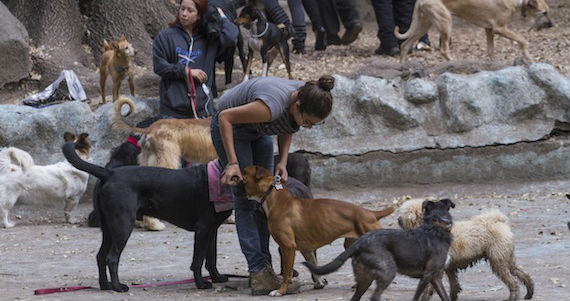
[
  {"x": 15, "y": 59},
  {"x": 509, "y": 124}
]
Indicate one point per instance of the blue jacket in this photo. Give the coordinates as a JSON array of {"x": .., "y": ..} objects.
[{"x": 170, "y": 56}]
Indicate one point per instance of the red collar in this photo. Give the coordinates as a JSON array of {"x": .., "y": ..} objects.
[{"x": 134, "y": 142}]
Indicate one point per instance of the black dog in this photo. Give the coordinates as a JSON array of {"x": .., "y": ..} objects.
[
  {"x": 213, "y": 28},
  {"x": 264, "y": 37},
  {"x": 179, "y": 196},
  {"x": 419, "y": 253}
]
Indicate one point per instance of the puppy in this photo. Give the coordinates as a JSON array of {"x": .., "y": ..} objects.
[
  {"x": 304, "y": 224},
  {"x": 486, "y": 236},
  {"x": 493, "y": 15},
  {"x": 213, "y": 28},
  {"x": 20, "y": 178},
  {"x": 117, "y": 62},
  {"x": 265, "y": 38},
  {"x": 419, "y": 253}
]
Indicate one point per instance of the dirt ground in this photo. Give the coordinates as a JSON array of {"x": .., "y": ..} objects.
[{"x": 43, "y": 252}]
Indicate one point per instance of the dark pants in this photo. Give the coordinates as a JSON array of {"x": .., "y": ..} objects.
[
  {"x": 325, "y": 13},
  {"x": 390, "y": 13}
]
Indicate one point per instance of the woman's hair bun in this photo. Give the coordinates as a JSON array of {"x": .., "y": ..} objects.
[{"x": 326, "y": 82}]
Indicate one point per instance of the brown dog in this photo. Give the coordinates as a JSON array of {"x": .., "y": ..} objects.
[
  {"x": 117, "y": 62},
  {"x": 493, "y": 15},
  {"x": 304, "y": 224}
]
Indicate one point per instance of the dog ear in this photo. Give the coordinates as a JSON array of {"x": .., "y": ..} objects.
[
  {"x": 426, "y": 205},
  {"x": 83, "y": 137},
  {"x": 259, "y": 172},
  {"x": 122, "y": 38},
  {"x": 448, "y": 203},
  {"x": 67, "y": 136}
]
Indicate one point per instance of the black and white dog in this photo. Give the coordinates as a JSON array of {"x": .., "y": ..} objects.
[{"x": 420, "y": 253}]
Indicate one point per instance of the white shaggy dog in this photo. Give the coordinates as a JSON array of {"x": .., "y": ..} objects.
[
  {"x": 20, "y": 178},
  {"x": 485, "y": 236}
]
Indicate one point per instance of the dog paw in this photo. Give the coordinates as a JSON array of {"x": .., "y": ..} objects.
[
  {"x": 121, "y": 288},
  {"x": 219, "y": 278},
  {"x": 203, "y": 284},
  {"x": 275, "y": 293},
  {"x": 320, "y": 284},
  {"x": 9, "y": 225},
  {"x": 105, "y": 286}
]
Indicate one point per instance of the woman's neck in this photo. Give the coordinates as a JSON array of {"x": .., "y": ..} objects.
[{"x": 188, "y": 29}]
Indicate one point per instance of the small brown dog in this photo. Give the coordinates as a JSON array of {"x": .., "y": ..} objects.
[
  {"x": 304, "y": 224},
  {"x": 117, "y": 61},
  {"x": 493, "y": 15}
]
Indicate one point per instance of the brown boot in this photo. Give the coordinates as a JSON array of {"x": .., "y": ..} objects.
[{"x": 264, "y": 281}]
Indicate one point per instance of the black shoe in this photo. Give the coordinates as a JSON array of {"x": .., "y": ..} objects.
[
  {"x": 351, "y": 34},
  {"x": 299, "y": 50},
  {"x": 393, "y": 51},
  {"x": 333, "y": 40},
  {"x": 320, "y": 40}
]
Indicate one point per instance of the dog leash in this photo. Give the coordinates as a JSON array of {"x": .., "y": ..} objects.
[
  {"x": 65, "y": 289},
  {"x": 192, "y": 96}
]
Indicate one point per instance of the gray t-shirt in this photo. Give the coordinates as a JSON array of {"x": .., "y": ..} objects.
[{"x": 275, "y": 92}]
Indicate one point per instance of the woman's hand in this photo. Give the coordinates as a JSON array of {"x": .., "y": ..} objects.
[
  {"x": 281, "y": 169},
  {"x": 232, "y": 171},
  {"x": 200, "y": 75}
]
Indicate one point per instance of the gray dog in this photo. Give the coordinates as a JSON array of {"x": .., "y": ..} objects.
[{"x": 419, "y": 253}]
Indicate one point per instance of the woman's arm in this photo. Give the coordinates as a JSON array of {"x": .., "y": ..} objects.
[
  {"x": 254, "y": 112},
  {"x": 284, "y": 143},
  {"x": 228, "y": 37},
  {"x": 160, "y": 63}
]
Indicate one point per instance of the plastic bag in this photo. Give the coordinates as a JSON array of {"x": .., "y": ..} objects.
[{"x": 74, "y": 88}]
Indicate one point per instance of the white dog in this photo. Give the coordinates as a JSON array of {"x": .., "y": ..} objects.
[
  {"x": 486, "y": 236},
  {"x": 20, "y": 178}
]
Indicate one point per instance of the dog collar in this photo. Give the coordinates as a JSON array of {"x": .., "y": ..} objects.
[
  {"x": 262, "y": 33},
  {"x": 134, "y": 142},
  {"x": 275, "y": 184}
]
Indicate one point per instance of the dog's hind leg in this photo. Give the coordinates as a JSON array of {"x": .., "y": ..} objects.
[
  {"x": 119, "y": 229},
  {"x": 454, "y": 287},
  {"x": 70, "y": 205},
  {"x": 525, "y": 279},
  {"x": 104, "y": 283},
  {"x": 284, "y": 53},
  {"x": 438, "y": 286},
  {"x": 502, "y": 270},
  {"x": 6, "y": 217},
  {"x": 363, "y": 280},
  {"x": 311, "y": 257}
]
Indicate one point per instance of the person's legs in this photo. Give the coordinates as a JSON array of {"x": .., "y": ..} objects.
[
  {"x": 298, "y": 17},
  {"x": 330, "y": 19},
  {"x": 278, "y": 15},
  {"x": 350, "y": 19},
  {"x": 385, "y": 20},
  {"x": 249, "y": 234},
  {"x": 312, "y": 9}
]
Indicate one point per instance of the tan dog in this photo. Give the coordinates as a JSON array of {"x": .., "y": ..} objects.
[
  {"x": 167, "y": 140},
  {"x": 304, "y": 224},
  {"x": 493, "y": 15},
  {"x": 485, "y": 236},
  {"x": 117, "y": 62}
]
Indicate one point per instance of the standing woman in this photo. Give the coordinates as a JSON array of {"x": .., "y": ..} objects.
[
  {"x": 246, "y": 118},
  {"x": 185, "y": 60}
]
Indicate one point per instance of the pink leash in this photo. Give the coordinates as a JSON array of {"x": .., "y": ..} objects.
[{"x": 44, "y": 291}]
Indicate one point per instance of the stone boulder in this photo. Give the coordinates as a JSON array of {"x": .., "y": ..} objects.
[{"x": 14, "y": 48}]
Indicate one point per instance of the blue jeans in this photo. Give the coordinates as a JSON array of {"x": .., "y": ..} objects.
[{"x": 252, "y": 148}]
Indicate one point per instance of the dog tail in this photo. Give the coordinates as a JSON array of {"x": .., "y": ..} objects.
[
  {"x": 71, "y": 156},
  {"x": 14, "y": 156},
  {"x": 118, "y": 121},
  {"x": 413, "y": 25},
  {"x": 337, "y": 262},
  {"x": 382, "y": 213},
  {"x": 106, "y": 46}
]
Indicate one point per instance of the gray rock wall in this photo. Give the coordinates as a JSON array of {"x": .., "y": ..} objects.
[
  {"x": 509, "y": 124},
  {"x": 13, "y": 47}
]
